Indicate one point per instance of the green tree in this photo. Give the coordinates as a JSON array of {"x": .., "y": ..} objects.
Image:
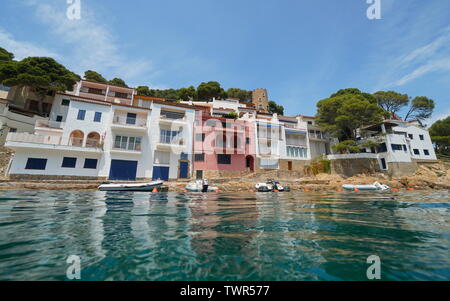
[
  {"x": 208, "y": 91},
  {"x": 274, "y": 108},
  {"x": 342, "y": 114},
  {"x": 5, "y": 56},
  {"x": 231, "y": 115},
  {"x": 40, "y": 74},
  {"x": 421, "y": 108},
  {"x": 93, "y": 76},
  {"x": 346, "y": 147},
  {"x": 440, "y": 135},
  {"x": 187, "y": 94},
  {"x": 243, "y": 95},
  {"x": 391, "y": 101},
  {"x": 144, "y": 91},
  {"x": 118, "y": 82}
]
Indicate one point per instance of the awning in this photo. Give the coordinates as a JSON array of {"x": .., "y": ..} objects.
[{"x": 290, "y": 132}]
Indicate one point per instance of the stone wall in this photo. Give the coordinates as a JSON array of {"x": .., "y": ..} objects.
[
  {"x": 297, "y": 165},
  {"x": 399, "y": 169},
  {"x": 351, "y": 167},
  {"x": 5, "y": 157}
]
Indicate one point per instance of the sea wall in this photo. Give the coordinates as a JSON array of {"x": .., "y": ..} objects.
[{"x": 354, "y": 164}]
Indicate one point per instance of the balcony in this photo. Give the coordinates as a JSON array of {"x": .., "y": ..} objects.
[
  {"x": 124, "y": 122},
  {"x": 26, "y": 140},
  {"x": 168, "y": 142},
  {"x": 170, "y": 118},
  {"x": 49, "y": 125}
]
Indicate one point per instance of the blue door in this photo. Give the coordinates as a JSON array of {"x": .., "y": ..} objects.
[
  {"x": 161, "y": 173},
  {"x": 123, "y": 170},
  {"x": 184, "y": 169}
]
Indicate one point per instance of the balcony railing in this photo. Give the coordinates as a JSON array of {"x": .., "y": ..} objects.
[
  {"x": 31, "y": 138},
  {"x": 50, "y": 124},
  {"x": 52, "y": 140},
  {"x": 167, "y": 139},
  {"x": 123, "y": 120}
]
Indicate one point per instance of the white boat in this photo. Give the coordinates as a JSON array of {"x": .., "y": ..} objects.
[
  {"x": 197, "y": 186},
  {"x": 271, "y": 185},
  {"x": 374, "y": 186},
  {"x": 149, "y": 186}
]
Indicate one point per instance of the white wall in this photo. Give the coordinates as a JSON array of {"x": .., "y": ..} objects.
[{"x": 54, "y": 162}]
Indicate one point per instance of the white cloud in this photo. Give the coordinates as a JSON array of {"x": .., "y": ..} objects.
[
  {"x": 435, "y": 56},
  {"x": 431, "y": 66},
  {"x": 23, "y": 49},
  {"x": 92, "y": 44}
]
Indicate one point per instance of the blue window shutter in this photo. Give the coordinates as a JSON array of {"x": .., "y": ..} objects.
[
  {"x": 98, "y": 117},
  {"x": 81, "y": 114},
  {"x": 90, "y": 163},
  {"x": 69, "y": 162},
  {"x": 34, "y": 163}
]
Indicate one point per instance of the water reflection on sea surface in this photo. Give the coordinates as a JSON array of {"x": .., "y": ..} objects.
[{"x": 247, "y": 236}]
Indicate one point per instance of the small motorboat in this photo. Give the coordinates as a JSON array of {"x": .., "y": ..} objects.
[
  {"x": 374, "y": 186},
  {"x": 197, "y": 186},
  {"x": 271, "y": 185},
  {"x": 149, "y": 186}
]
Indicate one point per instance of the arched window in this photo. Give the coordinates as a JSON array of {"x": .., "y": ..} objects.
[
  {"x": 76, "y": 138},
  {"x": 93, "y": 139}
]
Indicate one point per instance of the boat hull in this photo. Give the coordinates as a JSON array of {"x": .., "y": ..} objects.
[{"x": 131, "y": 187}]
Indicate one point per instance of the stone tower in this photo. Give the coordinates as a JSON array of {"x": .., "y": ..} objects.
[{"x": 260, "y": 99}]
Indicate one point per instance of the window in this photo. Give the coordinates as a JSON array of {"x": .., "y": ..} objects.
[
  {"x": 168, "y": 137},
  {"x": 121, "y": 95},
  {"x": 200, "y": 137},
  {"x": 247, "y": 140},
  {"x": 37, "y": 164},
  {"x": 199, "y": 157},
  {"x": 426, "y": 152},
  {"x": 81, "y": 114},
  {"x": 223, "y": 159},
  {"x": 59, "y": 118},
  {"x": 128, "y": 143},
  {"x": 310, "y": 122},
  {"x": 411, "y": 136},
  {"x": 65, "y": 102},
  {"x": 421, "y": 137},
  {"x": 161, "y": 157},
  {"x": 12, "y": 130},
  {"x": 131, "y": 118},
  {"x": 396, "y": 147},
  {"x": 95, "y": 91},
  {"x": 172, "y": 115},
  {"x": 416, "y": 152},
  {"x": 90, "y": 163},
  {"x": 383, "y": 164},
  {"x": 69, "y": 162},
  {"x": 98, "y": 117},
  {"x": 404, "y": 148},
  {"x": 382, "y": 148}
]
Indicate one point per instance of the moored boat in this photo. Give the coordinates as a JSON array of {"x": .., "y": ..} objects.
[
  {"x": 197, "y": 186},
  {"x": 374, "y": 186},
  {"x": 149, "y": 186},
  {"x": 271, "y": 185}
]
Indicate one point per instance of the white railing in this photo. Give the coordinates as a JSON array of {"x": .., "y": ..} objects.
[
  {"x": 49, "y": 124},
  {"x": 53, "y": 140},
  {"x": 31, "y": 138},
  {"x": 123, "y": 120}
]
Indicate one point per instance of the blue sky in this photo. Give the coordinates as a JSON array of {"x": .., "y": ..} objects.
[{"x": 300, "y": 50}]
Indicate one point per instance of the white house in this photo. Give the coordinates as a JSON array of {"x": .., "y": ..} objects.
[{"x": 117, "y": 139}]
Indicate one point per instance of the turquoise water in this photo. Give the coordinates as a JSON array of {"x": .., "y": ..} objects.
[{"x": 246, "y": 236}]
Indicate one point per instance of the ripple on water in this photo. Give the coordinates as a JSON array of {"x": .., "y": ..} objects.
[{"x": 246, "y": 236}]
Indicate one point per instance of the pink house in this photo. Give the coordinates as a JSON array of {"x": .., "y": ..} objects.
[{"x": 222, "y": 146}]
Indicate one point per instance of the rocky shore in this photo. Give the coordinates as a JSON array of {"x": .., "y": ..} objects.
[{"x": 427, "y": 177}]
